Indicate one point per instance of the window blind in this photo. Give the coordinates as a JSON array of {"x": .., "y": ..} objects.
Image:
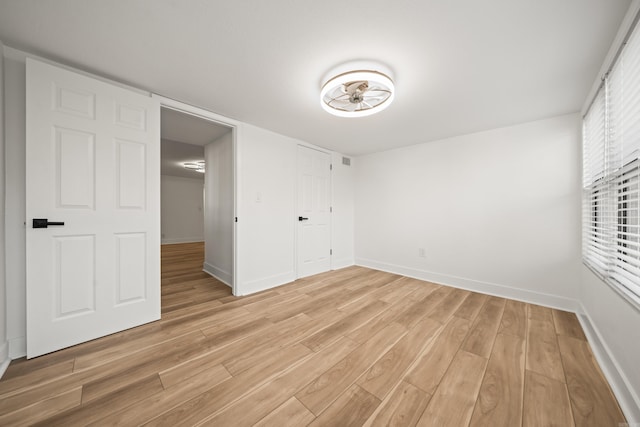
[
  {"x": 595, "y": 188},
  {"x": 611, "y": 174}
]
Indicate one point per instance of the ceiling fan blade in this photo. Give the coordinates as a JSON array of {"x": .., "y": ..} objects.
[
  {"x": 341, "y": 105},
  {"x": 344, "y": 96},
  {"x": 378, "y": 91}
]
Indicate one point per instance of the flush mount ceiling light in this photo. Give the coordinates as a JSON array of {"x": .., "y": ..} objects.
[
  {"x": 357, "y": 93},
  {"x": 195, "y": 166}
]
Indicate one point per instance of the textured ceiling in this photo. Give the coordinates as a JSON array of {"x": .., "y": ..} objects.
[{"x": 459, "y": 66}]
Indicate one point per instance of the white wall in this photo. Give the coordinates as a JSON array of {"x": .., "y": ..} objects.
[
  {"x": 495, "y": 211},
  {"x": 4, "y": 347},
  {"x": 266, "y": 227},
  {"x": 182, "y": 218},
  {"x": 614, "y": 323},
  {"x": 15, "y": 87},
  {"x": 219, "y": 210},
  {"x": 267, "y": 218}
]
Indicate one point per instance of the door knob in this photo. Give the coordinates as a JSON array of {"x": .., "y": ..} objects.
[
  {"x": 44, "y": 223},
  {"x": 301, "y": 218}
]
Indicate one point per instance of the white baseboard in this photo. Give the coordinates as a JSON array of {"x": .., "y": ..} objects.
[
  {"x": 341, "y": 263},
  {"x": 221, "y": 275},
  {"x": 253, "y": 286},
  {"x": 627, "y": 397},
  {"x": 182, "y": 240},
  {"x": 17, "y": 347},
  {"x": 4, "y": 358},
  {"x": 503, "y": 291}
]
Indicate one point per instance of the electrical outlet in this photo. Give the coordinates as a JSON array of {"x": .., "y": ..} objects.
[{"x": 421, "y": 253}]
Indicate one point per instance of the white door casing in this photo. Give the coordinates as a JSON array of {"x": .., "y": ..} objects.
[
  {"x": 93, "y": 162},
  {"x": 314, "y": 195}
]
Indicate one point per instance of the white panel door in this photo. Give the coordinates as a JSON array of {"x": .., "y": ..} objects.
[
  {"x": 93, "y": 163},
  {"x": 314, "y": 217}
]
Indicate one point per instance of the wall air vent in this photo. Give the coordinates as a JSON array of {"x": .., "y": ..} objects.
[{"x": 346, "y": 161}]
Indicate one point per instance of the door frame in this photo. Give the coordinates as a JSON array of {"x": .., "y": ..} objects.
[
  {"x": 295, "y": 212},
  {"x": 203, "y": 114}
]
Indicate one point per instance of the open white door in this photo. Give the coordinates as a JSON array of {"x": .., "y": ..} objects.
[
  {"x": 93, "y": 162},
  {"x": 314, "y": 217}
]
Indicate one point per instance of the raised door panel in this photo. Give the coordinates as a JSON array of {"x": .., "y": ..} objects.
[{"x": 74, "y": 276}]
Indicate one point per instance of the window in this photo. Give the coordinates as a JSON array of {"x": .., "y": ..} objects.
[{"x": 611, "y": 175}]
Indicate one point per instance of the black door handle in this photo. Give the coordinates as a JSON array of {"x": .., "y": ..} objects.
[
  {"x": 301, "y": 218},
  {"x": 44, "y": 223}
]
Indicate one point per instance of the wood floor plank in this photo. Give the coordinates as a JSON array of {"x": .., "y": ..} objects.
[
  {"x": 499, "y": 402},
  {"x": 314, "y": 306},
  {"x": 454, "y": 399},
  {"x": 137, "y": 343},
  {"x": 543, "y": 354},
  {"x": 178, "y": 374},
  {"x": 434, "y": 362},
  {"x": 21, "y": 398},
  {"x": 37, "y": 376},
  {"x": 514, "y": 319},
  {"x": 171, "y": 397},
  {"x": 352, "y": 408},
  {"x": 567, "y": 324},
  {"x": 345, "y": 325},
  {"x": 203, "y": 406},
  {"x": 319, "y": 394},
  {"x": 421, "y": 307},
  {"x": 320, "y": 311},
  {"x": 592, "y": 400},
  {"x": 21, "y": 367},
  {"x": 537, "y": 312},
  {"x": 291, "y": 412},
  {"x": 262, "y": 306},
  {"x": 471, "y": 306},
  {"x": 383, "y": 375},
  {"x": 422, "y": 288},
  {"x": 99, "y": 408},
  {"x": 546, "y": 402},
  {"x": 43, "y": 409},
  {"x": 379, "y": 281},
  {"x": 449, "y": 304},
  {"x": 281, "y": 334},
  {"x": 263, "y": 400},
  {"x": 119, "y": 374},
  {"x": 483, "y": 332},
  {"x": 233, "y": 333},
  {"x": 381, "y": 321},
  {"x": 395, "y": 291},
  {"x": 403, "y": 408}
]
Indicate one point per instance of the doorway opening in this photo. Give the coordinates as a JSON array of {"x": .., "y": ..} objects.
[{"x": 197, "y": 208}]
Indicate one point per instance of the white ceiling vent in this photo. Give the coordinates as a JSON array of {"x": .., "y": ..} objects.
[{"x": 346, "y": 161}]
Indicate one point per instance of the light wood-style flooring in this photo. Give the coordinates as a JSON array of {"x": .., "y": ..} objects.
[{"x": 350, "y": 347}]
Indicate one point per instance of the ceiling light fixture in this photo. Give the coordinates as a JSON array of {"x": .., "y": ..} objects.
[
  {"x": 357, "y": 93},
  {"x": 195, "y": 166}
]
